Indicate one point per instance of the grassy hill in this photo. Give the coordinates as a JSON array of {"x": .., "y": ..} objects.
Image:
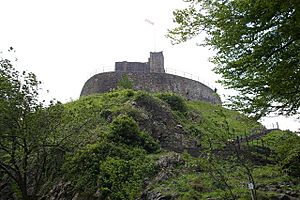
[{"x": 129, "y": 144}]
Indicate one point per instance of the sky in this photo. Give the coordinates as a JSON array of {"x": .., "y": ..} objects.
[{"x": 65, "y": 42}]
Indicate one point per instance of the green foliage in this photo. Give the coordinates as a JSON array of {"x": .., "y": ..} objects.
[
  {"x": 215, "y": 125},
  {"x": 187, "y": 186},
  {"x": 125, "y": 83},
  {"x": 122, "y": 179},
  {"x": 104, "y": 147},
  {"x": 116, "y": 170},
  {"x": 80, "y": 124},
  {"x": 257, "y": 49},
  {"x": 115, "y": 166},
  {"x": 292, "y": 162},
  {"x": 269, "y": 174},
  {"x": 101, "y": 144},
  {"x": 119, "y": 162},
  {"x": 176, "y": 102},
  {"x": 285, "y": 145},
  {"x": 125, "y": 130},
  {"x": 282, "y": 142},
  {"x": 27, "y": 131},
  {"x": 202, "y": 179},
  {"x": 147, "y": 99}
]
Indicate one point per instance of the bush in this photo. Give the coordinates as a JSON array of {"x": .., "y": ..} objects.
[
  {"x": 122, "y": 179},
  {"x": 125, "y": 130},
  {"x": 285, "y": 144},
  {"x": 176, "y": 102},
  {"x": 291, "y": 164},
  {"x": 125, "y": 83},
  {"x": 116, "y": 170},
  {"x": 82, "y": 168},
  {"x": 147, "y": 100}
]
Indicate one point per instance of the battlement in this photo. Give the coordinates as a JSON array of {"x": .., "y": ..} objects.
[{"x": 155, "y": 64}]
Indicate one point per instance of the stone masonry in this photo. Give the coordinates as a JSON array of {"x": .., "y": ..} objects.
[
  {"x": 150, "y": 77},
  {"x": 155, "y": 64}
]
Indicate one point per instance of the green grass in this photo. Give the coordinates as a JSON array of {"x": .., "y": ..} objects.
[
  {"x": 238, "y": 123},
  {"x": 91, "y": 119},
  {"x": 269, "y": 174}
]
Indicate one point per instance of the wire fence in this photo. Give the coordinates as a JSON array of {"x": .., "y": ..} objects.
[
  {"x": 191, "y": 76},
  {"x": 272, "y": 125},
  {"x": 101, "y": 70},
  {"x": 167, "y": 70}
]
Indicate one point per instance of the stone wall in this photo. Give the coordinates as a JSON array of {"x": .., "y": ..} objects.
[
  {"x": 152, "y": 82},
  {"x": 155, "y": 64},
  {"x": 132, "y": 67}
]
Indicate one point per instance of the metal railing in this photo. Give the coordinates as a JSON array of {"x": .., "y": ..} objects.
[{"x": 190, "y": 76}]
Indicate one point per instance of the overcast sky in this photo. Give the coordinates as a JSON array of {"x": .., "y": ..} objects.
[{"x": 65, "y": 42}]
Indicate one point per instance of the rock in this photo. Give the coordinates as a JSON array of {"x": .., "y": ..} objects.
[
  {"x": 76, "y": 197},
  {"x": 179, "y": 126},
  {"x": 154, "y": 195},
  {"x": 162, "y": 125},
  {"x": 163, "y": 176},
  {"x": 170, "y": 160},
  {"x": 62, "y": 191},
  {"x": 279, "y": 191},
  {"x": 283, "y": 197},
  {"x": 166, "y": 164},
  {"x": 293, "y": 193}
]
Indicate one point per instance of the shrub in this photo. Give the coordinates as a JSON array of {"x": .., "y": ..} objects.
[
  {"x": 125, "y": 83},
  {"x": 285, "y": 144},
  {"x": 125, "y": 130},
  {"x": 116, "y": 170},
  {"x": 122, "y": 179},
  {"x": 291, "y": 164},
  {"x": 176, "y": 102},
  {"x": 82, "y": 167},
  {"x": 147, "y": 100}
]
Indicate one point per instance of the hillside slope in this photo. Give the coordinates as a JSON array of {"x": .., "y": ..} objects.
[{"x": 134, "y": 145}]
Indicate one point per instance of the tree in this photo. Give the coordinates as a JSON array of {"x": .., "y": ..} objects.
[
  {"x": 27, "y": 131},
  {"x": 226, "y": 154},
  {"x": 257, "y": 47},
  {"x": 125, "y": 83}
]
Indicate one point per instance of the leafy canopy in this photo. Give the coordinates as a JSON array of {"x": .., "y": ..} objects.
[
  {"x": 27, "y": 130},
  {"x": 257, "y": 49}
]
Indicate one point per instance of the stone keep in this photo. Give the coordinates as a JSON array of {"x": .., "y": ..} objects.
[{"x": 156, "y": 62}]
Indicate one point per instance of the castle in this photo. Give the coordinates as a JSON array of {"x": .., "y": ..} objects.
[{"x": 150, "y": 76}]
